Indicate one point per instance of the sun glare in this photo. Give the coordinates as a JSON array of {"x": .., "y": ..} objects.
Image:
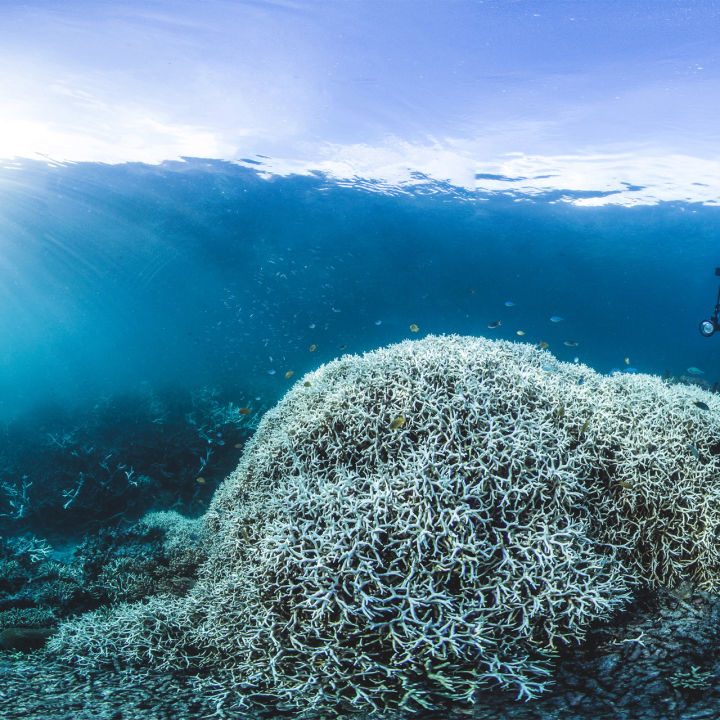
[{"x": 21, "y": 137}]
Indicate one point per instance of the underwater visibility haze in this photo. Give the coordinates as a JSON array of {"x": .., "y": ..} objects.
[{"x": 383, "y": 255}]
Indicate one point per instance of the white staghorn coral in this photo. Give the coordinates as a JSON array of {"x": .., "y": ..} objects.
[{"x": 431, "y": 519}]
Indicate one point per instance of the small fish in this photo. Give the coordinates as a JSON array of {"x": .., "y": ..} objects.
[
  {"x": 378, "y": 322},
  {"x": 494, "y": 324},
  {"x": 556, "y": 319},
  {"x": 571, "y": 343},
  {"x": 414, "y": 328},
  {"x": 510, "y": 303},
  {"x": 560, "y": 412},
  {"x": 695, "y": 371},
  {"x": 398, "y": 422},
  {"x": 520, "y": 332},
  {"x": 200, "y": 480},
  {"x": 584, "y": 427},
  {"x": 238, "y": 446},
  {"x": 271, "y": 372},
  {"x": 311, "y": 326},
  {"x": 244, "y": 411},
  {"x": 694, "y": 451},
  {"x": 313, "y": 347},
  {"x": 700, "y": 404},
  {"x": 543, "y": 345},
  {"x": 472, "y": 292},
  {"x": 625, "y": 484},
  {"x": 342, "y": 347},
  {"x": 307, "y": 383},
  {"x": 627, "y": 360},
  {"x": 289, "y": 374}
]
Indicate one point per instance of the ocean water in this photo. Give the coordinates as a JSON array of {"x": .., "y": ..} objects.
[
  {"x": 152, "y": 313},
  {"x": 205, "y": 272},
  {"x": 202, "y": 204}
]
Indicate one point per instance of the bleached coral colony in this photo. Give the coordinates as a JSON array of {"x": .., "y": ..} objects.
[{"x": 430, "y": 519}]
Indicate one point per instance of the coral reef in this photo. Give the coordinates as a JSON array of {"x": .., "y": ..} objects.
[
  {"x": 430, "y": 520},
  {"x": 626, "y": 670},
  {"x": 40, "y": 586},
  {"x": 69, "y": 472}
]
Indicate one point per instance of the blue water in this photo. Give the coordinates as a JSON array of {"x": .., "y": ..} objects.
[{"x": 204, "y": 272}]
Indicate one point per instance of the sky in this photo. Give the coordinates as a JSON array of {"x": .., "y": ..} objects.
[{"x": 594, "y": 94}]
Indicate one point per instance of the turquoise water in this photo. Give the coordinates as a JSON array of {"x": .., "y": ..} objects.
[
  {"x": 204, "y": 272},
  {"x": 143, "y": 306}
]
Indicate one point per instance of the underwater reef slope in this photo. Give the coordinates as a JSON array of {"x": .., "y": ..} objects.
[{"x": 428, "y": 521}]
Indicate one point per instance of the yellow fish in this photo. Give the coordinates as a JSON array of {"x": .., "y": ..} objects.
[
  {"x": 307, "y": 383},
  {"x": 520, "y": 332},
  {"x": 313, "y": 347},
  {"x": 627, "y": 361},
  {"x": 289, "y": 374},
  {"x": 414, "y": 328},
  {"x": 543, "y": 345},
  {"x": 200, "y": 480},
  {"x": 398, "y": 422}
]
